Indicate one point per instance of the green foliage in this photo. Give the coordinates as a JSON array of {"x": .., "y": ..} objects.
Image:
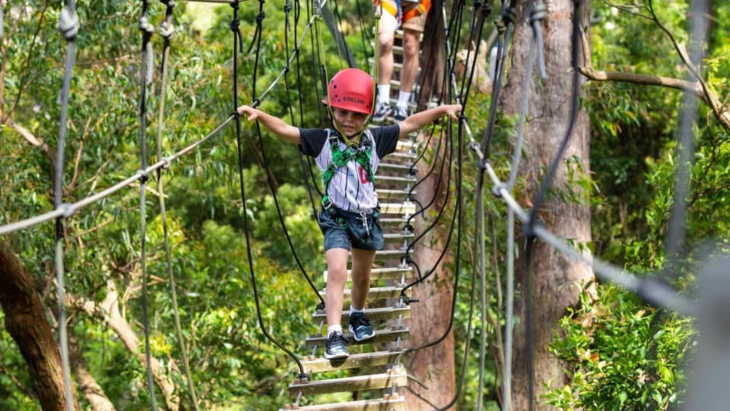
[{"x": 621, "y": 356}]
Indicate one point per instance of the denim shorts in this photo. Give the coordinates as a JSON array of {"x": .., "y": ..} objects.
[{"x": 356, "y": 235}]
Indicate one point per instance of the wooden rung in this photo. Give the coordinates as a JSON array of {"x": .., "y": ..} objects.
[
  {"x": 381, "y": 336},
  {"x": 376, "y": 293},
  {"x": 349, "y": 384},
  {"x": 395, "y": 166},
  {"x": 397, "y": 236},
  {"x": 394, "y": 179},
  {"x": 398, "y": 208},
  {"x": 370, "y": 359},
  {"x": 405, "y": 145},
  {"x": 386, "y": 273},
  {"x": 390, "y": 193},
  {"x": 380, "y": 404},
  {"x": 374, "y": 314},
  {"x": 397, "y": 220},
  {"x": 381, "y": 255},
  {"x": 402, "y": 155}
]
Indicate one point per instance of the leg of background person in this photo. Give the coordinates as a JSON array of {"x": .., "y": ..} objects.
[
  {"x": 362, "y": 263},
  {"x": 410, "y": 60},
  {"x": 336, "y": 279},
  {"x": 386, "y": 35}
]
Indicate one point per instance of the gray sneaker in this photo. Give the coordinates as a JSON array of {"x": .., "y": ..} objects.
[
  {"x": 336, "y": 346},
  {"x": 382, "y": 110},
  {"x": 360, "y": 327}
]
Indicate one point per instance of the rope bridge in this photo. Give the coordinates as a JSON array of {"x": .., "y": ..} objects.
[{"x": 651, "y": 289}]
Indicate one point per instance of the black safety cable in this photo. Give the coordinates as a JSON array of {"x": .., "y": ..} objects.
[
  {"x": 338, "y": 27},
  {"x": 485, "y": 10},
  {"x": 257, "y": 34},
  {"x": 529, "y": 228},
  {"x": 467, "y": 337},
  {"x": 287, "y": 9},
  {"x": 406, "y": 256},
  {"x": 404, "y": 299},
  {"x": 308, "y": 173},
  {"x": 68, "y": 25},
  {"x": 473, "y": 27},
  {"x": 574, "y": 106},
  {"x": 239, "y": 144},
  {"x": 450, "y": 147},
  {"x": 364, "y": 34},
  {"x": 270, "y": 179},
  {"x": 167, "y": 29},
  {"x": 536, "y": 45},
  {"x": 505, "y": 26},
  {"x": 428, "y": 174},
  {"x": 145, "y": 79},
  {"x": 432, "y": 167}
]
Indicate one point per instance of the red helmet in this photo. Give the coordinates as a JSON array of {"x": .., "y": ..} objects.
[{"x": 351, "y": 89}]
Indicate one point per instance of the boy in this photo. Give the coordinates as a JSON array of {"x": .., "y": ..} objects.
[{"x": 348, "y": 155}]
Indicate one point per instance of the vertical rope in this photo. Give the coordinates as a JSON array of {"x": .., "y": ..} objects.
[
  {"x": 68, "y": 25},
  {"x": 145, "y": 78},
  {"x": 167, "y": 29},
  {"x": 239, "y": 145}
]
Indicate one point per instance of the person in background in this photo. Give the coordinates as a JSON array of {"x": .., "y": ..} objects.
[{"x": 411, "y": 16}]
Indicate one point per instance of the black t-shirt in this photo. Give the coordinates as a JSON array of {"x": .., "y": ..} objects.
[{"x": 386, "y": 140}]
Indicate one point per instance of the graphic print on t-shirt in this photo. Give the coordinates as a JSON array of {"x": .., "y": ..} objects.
[{"x": 364, "y": 176}]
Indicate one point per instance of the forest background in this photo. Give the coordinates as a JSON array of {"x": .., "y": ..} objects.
[{"x": 620, "y": 352}]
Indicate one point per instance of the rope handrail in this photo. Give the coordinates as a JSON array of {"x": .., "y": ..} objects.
[{"x": 68, "y": 209}]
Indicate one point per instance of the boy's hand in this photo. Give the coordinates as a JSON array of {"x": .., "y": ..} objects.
[
  {"x": 252, "y": 113},
  {"x": 452, "y": 110}
]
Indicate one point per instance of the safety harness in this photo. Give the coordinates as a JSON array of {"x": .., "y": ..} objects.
[{"x": 362, "y": 154}]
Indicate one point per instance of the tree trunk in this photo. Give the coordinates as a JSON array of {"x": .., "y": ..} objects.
[
  {"x": 434, "y": 366},
  {"x": 554, "y": 277},
  {"x": 26, "y": 323}
]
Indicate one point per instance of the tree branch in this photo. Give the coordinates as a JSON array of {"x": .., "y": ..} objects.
[
  {"x": 708, "y": 97},
  {"x": 109, "y": 311}
]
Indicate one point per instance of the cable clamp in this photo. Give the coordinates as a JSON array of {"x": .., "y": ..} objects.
[
  {"x": 255, "y": 103},
  {"x": 320, "y": 307},
  {"x": 287, "y": 7},
  {"x": 406, "y": 300},
  {"x": 143, "y": 176},
  {"x": 167, "y": 30},
  {"x": 165, "y": 163},
  {"x": 235, "y": 24},
  {"x": 539, "y": 13},
  {"x": 68, "y": 24},
  {"x": 509, "y": 15},
  {"x": 528, "y": 230},
  {"x": 260, "y": 17},
  {"x": 486, "y": 8},
  {"x": 144, "y": 25},
  {"x": 497, "y": 190},
  {"x": 68, "y": 209}
]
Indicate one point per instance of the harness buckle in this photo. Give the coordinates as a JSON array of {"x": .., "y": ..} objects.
[{"x": 364, "y": 218}]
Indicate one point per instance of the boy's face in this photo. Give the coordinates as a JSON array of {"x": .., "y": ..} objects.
[{"x": 351, "y": 121}]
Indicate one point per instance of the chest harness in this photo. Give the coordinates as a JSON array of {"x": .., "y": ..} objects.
[{"x": 362, "y": 154}]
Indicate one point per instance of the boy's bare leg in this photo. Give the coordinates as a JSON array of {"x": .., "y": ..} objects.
[
  {"x": 336, "y": 279},
  {"x": 362, "y": 263},
  {"x": 410, "y": 60}
]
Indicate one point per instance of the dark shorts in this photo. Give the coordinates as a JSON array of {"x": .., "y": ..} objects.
[{"x": 357, "y": 235}]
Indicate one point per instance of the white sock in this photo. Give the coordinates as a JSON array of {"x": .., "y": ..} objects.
[
  {"x": 354, "y": 310},
  {"x": 333, "y": 328},
  {"x": 383, "y": 93},
  {"x": 403, "y": 98}
]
